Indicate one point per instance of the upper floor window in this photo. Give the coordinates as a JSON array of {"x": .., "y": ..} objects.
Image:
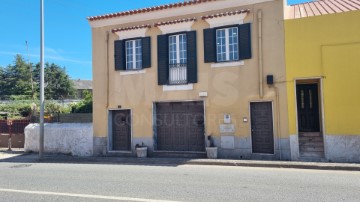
[
  {"x": 227, "y": 46},
  {"x": 177, "y": 59},
  {"x": 177, "y": 49},
  {"x": 133, "y": 54}
]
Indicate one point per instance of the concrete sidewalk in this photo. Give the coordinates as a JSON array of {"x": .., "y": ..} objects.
[{"x": 20, "y": 157}]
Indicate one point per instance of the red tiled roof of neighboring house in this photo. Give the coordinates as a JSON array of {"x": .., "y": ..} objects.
[
  {"x": 321, "y": 7},
  {"x": 130, "y": 28},
  {"x": 174, "y": 21},
  {"x": 224, "y": 14},
  {"x": 149, "y": 9}
]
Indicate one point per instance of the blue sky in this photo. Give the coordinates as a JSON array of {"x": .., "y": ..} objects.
[{"x": 67, "y": 32}]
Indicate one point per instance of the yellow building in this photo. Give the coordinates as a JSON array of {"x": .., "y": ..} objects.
[
  {"x": 323, "y": 80},
  {"x": 190, "y": 74}
]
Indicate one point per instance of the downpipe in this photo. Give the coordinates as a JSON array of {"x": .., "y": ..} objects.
[
  {"x": 107, "y": 69},
  {"x": 261, "y": 90}
]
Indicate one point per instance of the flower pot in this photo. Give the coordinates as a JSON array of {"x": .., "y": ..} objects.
[
  {"x": 211, "y": 152},
  {"x": 141, "y": 152}
]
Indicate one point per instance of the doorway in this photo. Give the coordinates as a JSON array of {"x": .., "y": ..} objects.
[
  {"x": 311, "y": 142},
  {"x": 262, "y": 134},
  {"x": 121, "y": 130}
]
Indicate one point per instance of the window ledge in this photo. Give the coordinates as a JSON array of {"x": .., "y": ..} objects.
[
  {"x": 129, "y": 72},
  {"x": 178, "y": 87},
  {"x": 228, "y": 64}
]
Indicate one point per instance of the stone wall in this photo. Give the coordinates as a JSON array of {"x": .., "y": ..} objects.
[{"x": 70, "y": 138}]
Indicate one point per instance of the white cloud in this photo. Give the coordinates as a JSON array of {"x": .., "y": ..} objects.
[{"x": 50, "y": 53}]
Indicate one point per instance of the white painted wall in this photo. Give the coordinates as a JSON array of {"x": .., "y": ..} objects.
[{"x": 70, "y": 138}]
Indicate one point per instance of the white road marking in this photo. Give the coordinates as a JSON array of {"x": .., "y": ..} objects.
[{"x": 82, "y": 195}]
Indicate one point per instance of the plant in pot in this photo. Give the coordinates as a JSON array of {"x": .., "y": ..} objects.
[
  {"x": 141, "y": 150},
  {"x": 211, "y": 150}
]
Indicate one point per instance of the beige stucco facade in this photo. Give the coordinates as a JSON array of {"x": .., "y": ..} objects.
[{"x": 230, "y": 90}]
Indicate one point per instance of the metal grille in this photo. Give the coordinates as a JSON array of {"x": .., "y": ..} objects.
[
  {"x": 177, "y": 74},
  {"x": 4, "y": 128},
  {"x": 18, "y": 126}
]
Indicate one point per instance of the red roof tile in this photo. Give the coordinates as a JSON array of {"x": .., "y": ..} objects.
[
  {"x": 321, "y": 7},
  {"x": 174, "y": 21},
  {"x": 224, "y": 14},
  {"x": 149, "y": 9},
  {"x": 130, "y": 28}
]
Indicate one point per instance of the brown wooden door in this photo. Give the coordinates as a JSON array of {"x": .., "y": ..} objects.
[
  {"x": 262, "y": 127},
  {"x": 308, "y": 107},
  {"x": 180, "y": 126},
  {"x": 121, "y": 128}
]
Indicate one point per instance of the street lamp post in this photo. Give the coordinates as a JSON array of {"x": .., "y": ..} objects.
[{"x": 42, "y": 100}]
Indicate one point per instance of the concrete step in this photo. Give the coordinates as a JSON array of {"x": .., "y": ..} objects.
[
  {"x": 310, "y": 134},
  {"x": 311, "y": 144},
  {"x": 311, "y": 149},
  {"x": 311, "y": 139}
]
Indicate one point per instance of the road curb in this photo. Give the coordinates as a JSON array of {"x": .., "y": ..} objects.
[
  {"x": 32, "y": 158},
  {"x": 281, "y": 165}
]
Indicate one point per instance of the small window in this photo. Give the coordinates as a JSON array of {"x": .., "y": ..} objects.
[
  {"x": 133, "y": 54},
  {"x": 227, "y": 45}
]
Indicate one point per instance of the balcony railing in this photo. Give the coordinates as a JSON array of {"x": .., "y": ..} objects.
[{"x": 177, "y": 74}]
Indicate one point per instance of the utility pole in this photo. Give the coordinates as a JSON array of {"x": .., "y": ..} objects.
[{"x": 42, "y": 100}]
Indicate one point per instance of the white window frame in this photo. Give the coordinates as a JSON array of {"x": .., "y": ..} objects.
[
  {"x": 227, "y": 44},
  {"x": 177, "y": 43},
  {"x": 178, "y": 65},
  {"x": 134, "y": 61}
]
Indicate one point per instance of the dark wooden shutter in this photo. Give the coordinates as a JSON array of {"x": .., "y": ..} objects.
[
  {"x": 192, "y": 72},
  {"x": 119, "y": 46},
  {"x": 245, "y": 41},
  {"x": 163, "y": 59},
  {"x": 146, "y": 52},
  {"x": 209, "y": 45}
]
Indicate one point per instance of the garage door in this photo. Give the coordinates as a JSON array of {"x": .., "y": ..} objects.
[{"x": 180, "y": 126}]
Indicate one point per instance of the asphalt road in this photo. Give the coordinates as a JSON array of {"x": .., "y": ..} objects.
[{"x": 97, "y": 182}]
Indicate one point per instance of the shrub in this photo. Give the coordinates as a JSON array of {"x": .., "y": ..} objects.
[
  {"x": 24, "y": 110},
  {"x": 16, "y": 109},
  {"x": 84, "y": 106}
]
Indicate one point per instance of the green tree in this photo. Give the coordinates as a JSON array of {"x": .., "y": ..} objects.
[
  {"x": 2, "y": 82},
  {"x": 58, "y": 84},
  {"x": 21, "y": 81},
  {"x": 16, "y": 79}
]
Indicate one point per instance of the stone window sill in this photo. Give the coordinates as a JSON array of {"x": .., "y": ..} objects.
[
  {"x": 227, "y": 64},
  {"x": 130, "y": 72},
  {"x": 178, "y": 87}
]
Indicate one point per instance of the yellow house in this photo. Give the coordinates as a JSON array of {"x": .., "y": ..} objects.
[
  {"x": 184, "y": 76},
  {"x": 322, "y": 41}
]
